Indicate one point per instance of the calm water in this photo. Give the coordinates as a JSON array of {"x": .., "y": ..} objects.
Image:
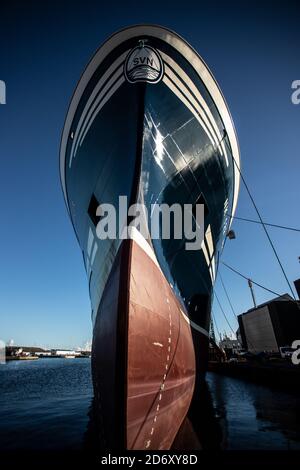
[
  {"x": 45, "y": 404},
  {"x": 253, "y": 416}
]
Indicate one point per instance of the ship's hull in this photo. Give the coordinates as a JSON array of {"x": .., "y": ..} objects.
[
  {"x": 150, "y": 368},
  {"x": 148, "y": 121}
]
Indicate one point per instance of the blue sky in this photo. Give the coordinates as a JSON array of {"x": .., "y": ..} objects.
[{"x": 252, "y": 49}]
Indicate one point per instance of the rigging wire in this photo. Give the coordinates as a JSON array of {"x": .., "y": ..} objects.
[
  {"x": 227, "y": 295},
  {"x": 260, "y": 218},
  {"x": 264, "y": 223},
  {"x": 247, "y": 278},
  {"x": 215, "y": 324},
  {"x": 224, "y": 314},
  {"x": 233, "y": 311}
]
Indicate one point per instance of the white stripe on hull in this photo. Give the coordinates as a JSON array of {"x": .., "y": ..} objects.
[
  {"x": 209, "y": 240},
  {"x": 185, "y": 91},
  {"x": 185, "y": 101},
  {"x": 135, "y": 235},
  {"x": 80, "y": 131},
  {"x": 106, "y": 98},
  {"x": 194, "y": 325},
  {"x": 190, "y": 87},
  {"x": 114, "y": 66}
]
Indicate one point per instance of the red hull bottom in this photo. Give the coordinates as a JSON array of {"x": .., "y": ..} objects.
[{"x": 144, "y": 366}]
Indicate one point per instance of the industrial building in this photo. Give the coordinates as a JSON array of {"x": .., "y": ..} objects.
[
  {"x": 297, "y": 287},
  {"x": 271, "y": 325}
]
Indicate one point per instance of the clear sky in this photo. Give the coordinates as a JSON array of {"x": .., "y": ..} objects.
[{"x": 252, "y": 49}]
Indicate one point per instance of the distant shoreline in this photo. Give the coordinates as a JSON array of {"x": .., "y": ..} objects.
[{"x": 29, "y": 358}]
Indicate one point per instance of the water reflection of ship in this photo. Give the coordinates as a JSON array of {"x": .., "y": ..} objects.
[
  {"x": 253, "y": 416},
  {"x": 279, "y": 411},
  {"x": 229, "y": 414},
  {"x": 202, "y": 428}
]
